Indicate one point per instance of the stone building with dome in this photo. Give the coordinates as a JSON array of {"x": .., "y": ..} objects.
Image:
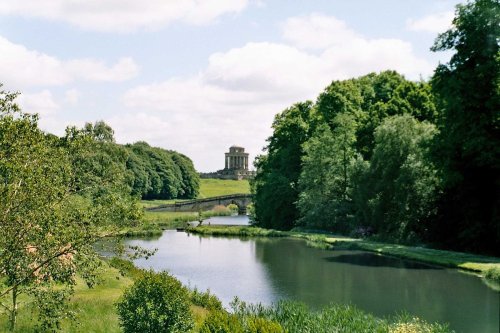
[{"x": 235, "y": 166}]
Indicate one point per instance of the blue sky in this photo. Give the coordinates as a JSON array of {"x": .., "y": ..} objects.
[{"x": 200, "y": 75}]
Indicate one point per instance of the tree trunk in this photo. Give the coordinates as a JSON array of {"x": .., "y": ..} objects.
[{"x": 13, "y": 313}]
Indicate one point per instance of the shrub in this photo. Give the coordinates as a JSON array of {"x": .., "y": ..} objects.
[
  {"x": 156, "y": 302},
  {"x": 493, "y": 274},
  {"x": 221, "y": 322},
  {"x": 206, "y": 300},
  {"x": 233, "y": 208},
  {"x": 126, "y": 267}
]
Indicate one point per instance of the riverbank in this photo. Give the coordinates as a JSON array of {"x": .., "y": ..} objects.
[
  {"x": 95, "y": 311},
  {"x": 488, "y": 267}
]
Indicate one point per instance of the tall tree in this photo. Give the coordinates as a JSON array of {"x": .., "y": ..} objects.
[
  {"x": 52, "y": 205},
  {"x": 468, "y": 147},
  {"x": 396, "y": 194},
  {"x": 276, "y": 183},
  {"x": 325, "y": 181}
]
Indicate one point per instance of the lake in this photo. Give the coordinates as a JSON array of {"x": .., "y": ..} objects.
[{"x": 266, "y": 270}]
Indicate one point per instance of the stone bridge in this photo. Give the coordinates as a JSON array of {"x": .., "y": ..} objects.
[{"x": 240, "y": 200}]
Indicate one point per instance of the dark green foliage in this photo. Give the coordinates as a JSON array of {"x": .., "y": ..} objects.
[
  {"x": 329, "y": 160},
  {"x": 276, "y": 183},
  {"x": 413, "y": 182},
  {"x": 161, "y": 174},
  {"x": 467, "y": 149},
  {"x": 325, "y": 199},
  {"x": 396, "y": 195},
  {"x": 157, "y": 302}
]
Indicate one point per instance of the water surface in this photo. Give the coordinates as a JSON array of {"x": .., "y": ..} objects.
[{"x": 266, "y": 270}]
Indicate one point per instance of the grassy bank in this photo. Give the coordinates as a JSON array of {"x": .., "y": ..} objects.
[
  {"x": 154, "y": 222},
  {"x": 96, "y": 312},
  {"x": 208, "y": 188},
  {"x": 488, "y": 267},
  {"x": 216, "y": 187}
]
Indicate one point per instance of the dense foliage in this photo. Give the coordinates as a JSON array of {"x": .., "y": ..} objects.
[
  {"x": 408, "y": 161},
  {"x": 161, "y": 174},
  {"x": 157, "y": 302},
  {"x": 58, "y": 196},
  {"x": 467, "y": 148}
]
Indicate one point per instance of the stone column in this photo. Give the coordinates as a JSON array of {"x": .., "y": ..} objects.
[
  {"x": 225, "y": 162},
  {"x": 246, "y": 162}
]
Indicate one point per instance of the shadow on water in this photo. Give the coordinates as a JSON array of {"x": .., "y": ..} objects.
[{"x": 374, "y": 260}]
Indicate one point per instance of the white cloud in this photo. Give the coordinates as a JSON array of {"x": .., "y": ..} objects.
[
  {"x": 234, "y": 100},
  {"x": 434, "y": 23},
  {"x": 317, "y": 31},
  {"x": 41, "y": 102},
  {"x": 21, "y": 67},
  {"x": 123, "y": 15}
]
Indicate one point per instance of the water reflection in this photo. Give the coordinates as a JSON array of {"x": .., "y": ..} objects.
[
  {"x": 265, "y": 270},
  {"x": 376, "y": 260}
]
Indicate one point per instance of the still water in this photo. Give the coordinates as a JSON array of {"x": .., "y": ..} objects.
[{"x": 266, "y": 270}]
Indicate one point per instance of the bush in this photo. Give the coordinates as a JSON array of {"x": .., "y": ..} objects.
[
  {"x": 493, "y": 274},
  {"x": 126, "y": 267},
  {"x": 221, "y": 322},
  {"x": 156, "y": 302},
  {"x": 206, "y": 300},
  {"x": 233, "y": 208}
]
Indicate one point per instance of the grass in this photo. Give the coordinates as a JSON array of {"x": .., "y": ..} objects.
[
  {"x": 466, "y": 261},
  {"x": 488, "y": 267},
  {"x": 208, "y": 188},
  {"x": 217, "y": 187},
  {"x": 294, "y": 317},
  {"x": 95, "y": 310},
  {"x": 155, "y": 222},
  {"x": 312, "y": 240}
]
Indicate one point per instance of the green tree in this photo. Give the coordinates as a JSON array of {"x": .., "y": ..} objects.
[
  {"x": 468, "y": 146},
  {"x": 161, "y": 174},
  {"x": 325, "y": 182},
  {"x": 397, "y": 194},
  {"x": 100, "y": 131},
  {"x": 51, "y": 211},
  {"x": 276, "y": 183},
  {"x": 156, "y": 302}
]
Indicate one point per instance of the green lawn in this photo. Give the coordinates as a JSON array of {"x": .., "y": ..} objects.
[
  {"x": 216, "y": 187},
  {"x": 208, "y": 188},
  {"x": 95, "y": 309}
]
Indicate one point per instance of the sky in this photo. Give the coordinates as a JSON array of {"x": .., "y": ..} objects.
[{"x": 198, "y": 76}]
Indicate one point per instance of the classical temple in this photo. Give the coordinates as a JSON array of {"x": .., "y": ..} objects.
[{"x": 235, "y": 166}]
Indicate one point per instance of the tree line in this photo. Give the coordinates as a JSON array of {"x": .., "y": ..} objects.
[
  {"x": 379, "y": 155},
  {"x": 151, "y": 172}
]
